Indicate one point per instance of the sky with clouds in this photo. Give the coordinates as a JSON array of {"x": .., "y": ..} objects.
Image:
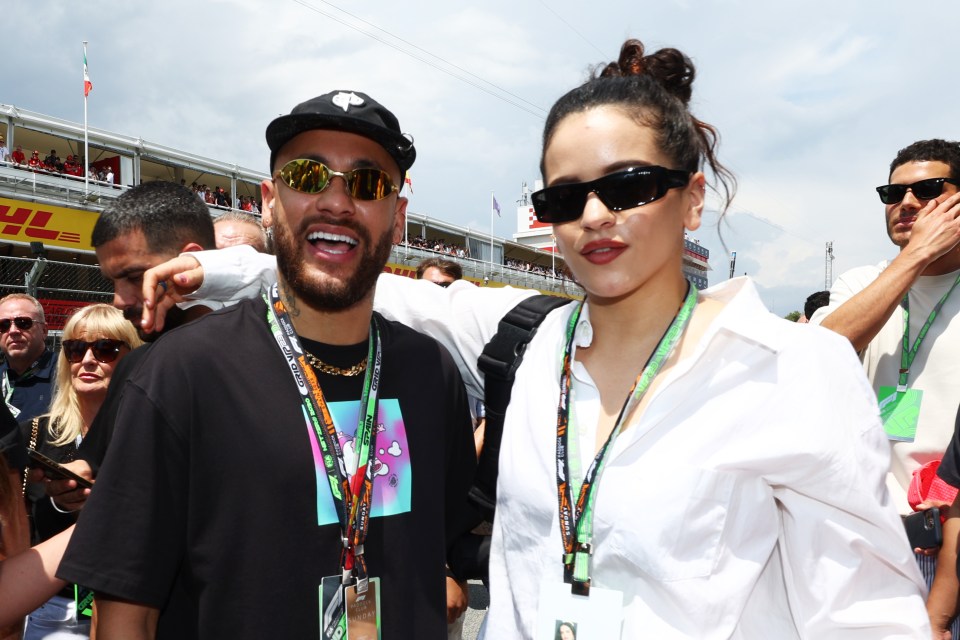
[{"x": 812, "y": 99}]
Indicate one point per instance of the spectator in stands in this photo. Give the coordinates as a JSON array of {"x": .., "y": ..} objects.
[
  {"x": 27, "y": 372},
  {"x": 4, "y": 153},
  {"x": 222, "y": 199},
  {"x": 35, "y": 163},
  {"x": 51, "y": 161},
  {"x": 437, "y": 270},
  {"x": 236, "y": 227},
  {"x": 108, "y": 177},
  {"x": 17, "y": 155},
  {"x": 72, "y": 168},
  {"x": 95, "y": 339}
]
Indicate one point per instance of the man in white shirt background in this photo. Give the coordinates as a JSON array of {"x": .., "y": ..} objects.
[{"x": 883, "y": 310}]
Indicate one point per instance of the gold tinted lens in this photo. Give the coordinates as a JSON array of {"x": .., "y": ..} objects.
[
  {"x": 308, "y": 176},
  {"x": 369, "y": 184}
]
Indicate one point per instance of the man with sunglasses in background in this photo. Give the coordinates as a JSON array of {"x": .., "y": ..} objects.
[
  {"x": 287, "y": 475},
  {"x": 26, "y": 374},
  {"x": 903, "y": 317}
]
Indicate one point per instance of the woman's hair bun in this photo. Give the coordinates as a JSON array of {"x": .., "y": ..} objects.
[{"x": 670, "y": 67}]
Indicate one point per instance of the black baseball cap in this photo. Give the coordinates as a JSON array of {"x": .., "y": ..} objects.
[{"x": 343, "y": 110}]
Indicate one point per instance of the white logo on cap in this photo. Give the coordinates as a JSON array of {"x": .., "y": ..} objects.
[{"x": 345, "y": 100}]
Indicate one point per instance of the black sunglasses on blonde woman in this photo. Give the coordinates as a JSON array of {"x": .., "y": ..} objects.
[{"x": 104, "y": 350}]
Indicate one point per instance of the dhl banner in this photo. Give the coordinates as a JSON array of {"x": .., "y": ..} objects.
[{"x": 26, "y": 222}]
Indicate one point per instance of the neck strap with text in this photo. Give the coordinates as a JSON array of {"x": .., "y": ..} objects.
[
  {"x": 576, "y": 504},
  {"x": 908, "y": 353},
  {"x": 351, "y": 499}
]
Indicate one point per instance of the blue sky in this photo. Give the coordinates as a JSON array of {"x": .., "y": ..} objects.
[{"x": 812, "y": 99}]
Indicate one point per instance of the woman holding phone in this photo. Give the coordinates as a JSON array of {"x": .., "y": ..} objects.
[
  {"x": 675, "y": 463},
  {"x": 94, "y": 340}
]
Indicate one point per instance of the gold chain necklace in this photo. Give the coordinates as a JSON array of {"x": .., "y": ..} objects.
[{"x": 323, "y": 367}]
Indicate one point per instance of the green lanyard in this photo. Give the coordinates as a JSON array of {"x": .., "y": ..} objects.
[
  {"x": 577, "y": 502},
  {"x": 907, "y": 354},
  {"x": 353, "y": 500}
]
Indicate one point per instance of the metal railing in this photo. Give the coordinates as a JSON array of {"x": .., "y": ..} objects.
[
  {"x": 62, "y": 287},
  {"x": 22, "y": 181}
]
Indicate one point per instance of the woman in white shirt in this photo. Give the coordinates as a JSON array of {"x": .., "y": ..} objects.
[{"x": 737, "y": 460}]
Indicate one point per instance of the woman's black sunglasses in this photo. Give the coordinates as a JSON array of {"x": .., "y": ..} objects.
[
  {"x": 923, "y": 190},
  {"x": 618, "y": 191},
  {"x": 104, "y": 350}
]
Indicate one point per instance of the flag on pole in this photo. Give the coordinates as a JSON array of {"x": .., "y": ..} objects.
[
  {"x": 87, "y": 85},
  {"x": 496, "y": 205},
  {"x": 409, "y": 182}
]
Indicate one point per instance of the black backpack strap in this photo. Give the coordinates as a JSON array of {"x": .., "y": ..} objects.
[{"x": 499, "y": 362}]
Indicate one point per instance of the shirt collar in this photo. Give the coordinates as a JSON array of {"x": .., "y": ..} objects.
[{"x": 744, "y": 315}]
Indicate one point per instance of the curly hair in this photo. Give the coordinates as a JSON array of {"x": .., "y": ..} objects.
[
  {"x": 934, "y": 150},
  {"x": 655, "y": 90}
]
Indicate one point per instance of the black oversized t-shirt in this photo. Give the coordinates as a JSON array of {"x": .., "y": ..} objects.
[{"x": 212, "y": 503}]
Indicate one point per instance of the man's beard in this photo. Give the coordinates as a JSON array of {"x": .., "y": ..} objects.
[
  {"x": 326, "y": 294},
  {"x": 174, "y": 318}
]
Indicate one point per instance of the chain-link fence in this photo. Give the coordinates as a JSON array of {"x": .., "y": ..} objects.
[{"x": 61, "y": 287}]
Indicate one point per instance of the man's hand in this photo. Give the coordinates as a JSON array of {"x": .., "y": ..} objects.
[
  {"x": 936, "y": 229},
  {"x": 457, "y": 599},
  {"x": 942, "y": 634},
  {"x": 164, "y": 286},
  {"x": 65, "y": 493}
]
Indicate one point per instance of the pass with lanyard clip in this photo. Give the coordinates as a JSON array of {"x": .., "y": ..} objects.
[
  {"x": 900, "y": 412},
  {"x": 347, "y": 612},
  {"x": 598, "y": 616}
]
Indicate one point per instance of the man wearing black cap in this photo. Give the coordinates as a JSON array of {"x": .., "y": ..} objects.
[{"x": 284, "y": 474}]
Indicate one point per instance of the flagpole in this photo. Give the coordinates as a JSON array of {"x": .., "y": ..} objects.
[
  {"x": 491, "y": 232},
  {"x": 553, "y": 255},
  {"x": 86, "y": 135}
]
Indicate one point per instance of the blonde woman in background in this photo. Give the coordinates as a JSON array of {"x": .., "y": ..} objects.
[{"x": 95, "y": 338}]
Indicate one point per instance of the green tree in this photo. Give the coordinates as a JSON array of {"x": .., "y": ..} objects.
[{"x": 793, "y": 316}]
